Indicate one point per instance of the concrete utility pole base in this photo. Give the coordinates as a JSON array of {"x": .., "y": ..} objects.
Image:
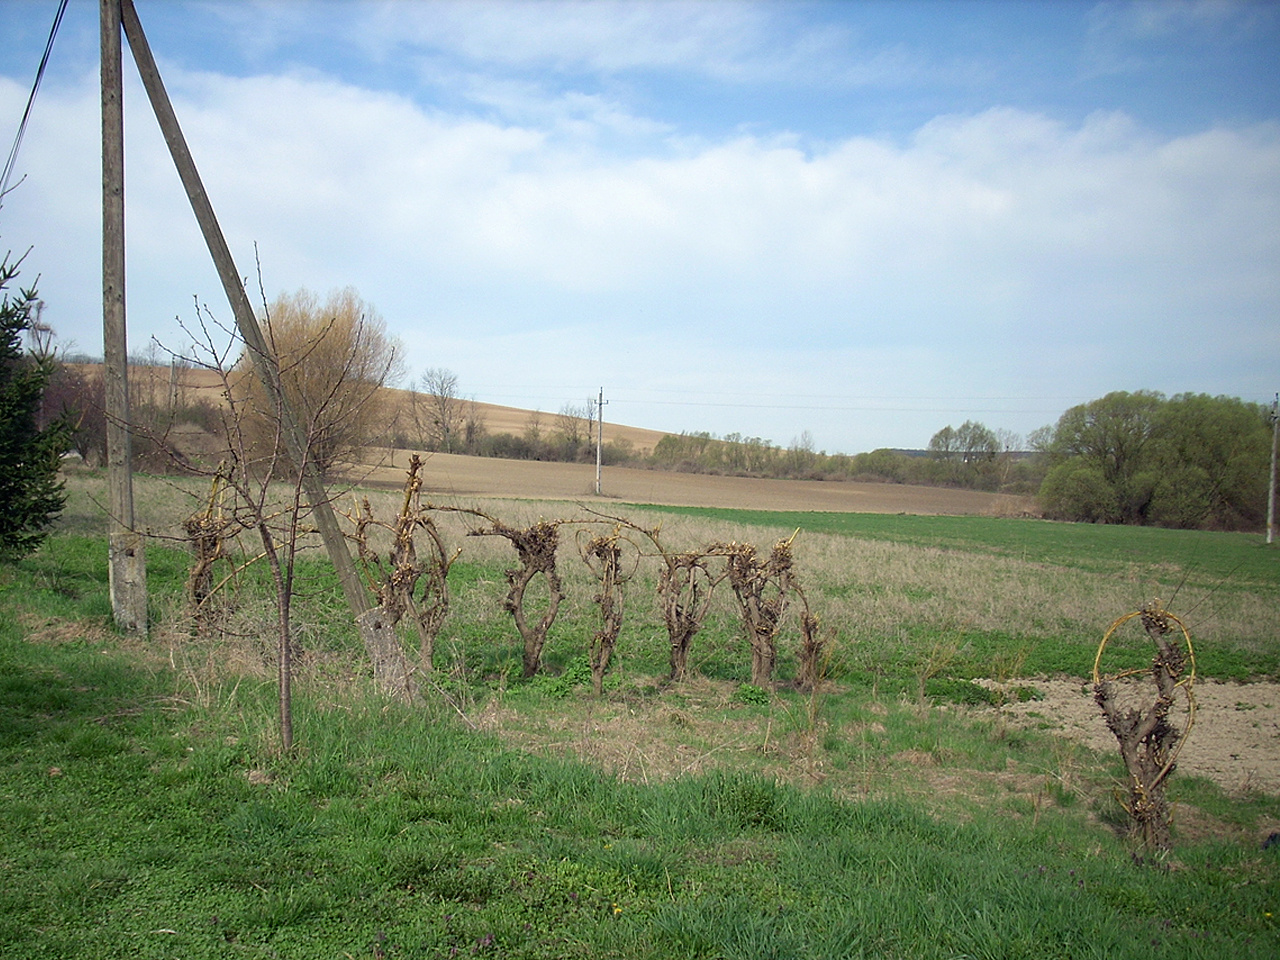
[{"x": 127, "y": 573}]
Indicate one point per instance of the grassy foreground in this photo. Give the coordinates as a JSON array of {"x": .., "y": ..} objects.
[{"x": 146, "y": 812}]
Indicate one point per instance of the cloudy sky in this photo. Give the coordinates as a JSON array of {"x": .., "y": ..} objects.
[{"x": 864, "y": 220}]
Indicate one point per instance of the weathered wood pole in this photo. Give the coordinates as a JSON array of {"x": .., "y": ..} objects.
[
  {"x": 127, "y": 570},
  {"x": 1271, "y": 485}
]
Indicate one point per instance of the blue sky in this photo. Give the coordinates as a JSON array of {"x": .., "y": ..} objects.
[{"x": 863, "y": 220}]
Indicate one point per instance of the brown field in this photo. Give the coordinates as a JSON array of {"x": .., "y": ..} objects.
[{"x": 453, "y": 476}]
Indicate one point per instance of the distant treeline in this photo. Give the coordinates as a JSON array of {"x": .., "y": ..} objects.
[
  {"x": 991, "y": 469},
  {"x": 1191, "y": 461}
]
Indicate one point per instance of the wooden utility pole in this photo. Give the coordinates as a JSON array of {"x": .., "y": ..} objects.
[
  {"x": 1271, "y": 487},
  {"x": 600, "y": 402},
  {"x": 127, "y": 569},
  {"x": 264, "y": 360}
]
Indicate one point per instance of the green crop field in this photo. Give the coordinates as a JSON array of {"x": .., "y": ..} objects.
[{"x": 147, "y": 810}]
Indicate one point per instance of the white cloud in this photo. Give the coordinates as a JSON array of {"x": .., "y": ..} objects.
[
  {"x": 987, "y": 245},
  {"x": 594, "y": 36}
]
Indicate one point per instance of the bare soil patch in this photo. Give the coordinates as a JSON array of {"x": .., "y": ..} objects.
[{"x": 1235, "y": 740}]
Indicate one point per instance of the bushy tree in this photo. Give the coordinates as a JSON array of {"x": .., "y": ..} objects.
[
  {"x": 1213, "y": 457},
  {"x": 335, "y": 357},
  {"x": 1192, "y": 461},
  {"x": 31, "y": 495}
]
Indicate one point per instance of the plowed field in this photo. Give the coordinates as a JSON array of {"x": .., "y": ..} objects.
[{"x": 450, "y": 475}]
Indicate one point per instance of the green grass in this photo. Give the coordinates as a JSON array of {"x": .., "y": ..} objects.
[
  {"x": 136, "y": 827},
  {"x": 146, "y": 811},
  {"x": 1232, "y": 560}
]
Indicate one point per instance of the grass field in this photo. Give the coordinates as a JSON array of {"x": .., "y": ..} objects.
[{"x": 147, "y": 811}]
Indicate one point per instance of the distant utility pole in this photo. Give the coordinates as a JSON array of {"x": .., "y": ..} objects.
[
  {"x": 1271, "y": 489},
  {"x": 600, "y": 402}
]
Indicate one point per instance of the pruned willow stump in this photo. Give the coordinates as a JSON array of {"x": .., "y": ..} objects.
[
  {"x": 1151, "y": 730},
  {"x": 208, "y": 531},
  {"x": 603, "y": 556},
  {"x": 535, "y": 547},
  {"x": 394, "y": 583},
  {"x": 761, "y": 585}
]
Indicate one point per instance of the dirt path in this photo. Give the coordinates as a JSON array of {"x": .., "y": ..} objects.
[{"x": 1235, "y": 740}]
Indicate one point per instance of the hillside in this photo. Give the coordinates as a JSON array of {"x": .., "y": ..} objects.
[
  {"x": 514, "y": 420},
  {"x": 498, "y": 419}
]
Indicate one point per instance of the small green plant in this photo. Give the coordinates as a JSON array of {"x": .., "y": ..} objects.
[
  {"x": 750, "y": 694},
  {"x": 576, "y": 673}
]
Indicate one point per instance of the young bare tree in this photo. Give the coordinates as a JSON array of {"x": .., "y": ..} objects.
[
  {"x": 573, "y": 423},
  {"x": 249, "y": 475},
  {"x": 335, "y": 357},
  {"x": 533, "y": 427},
  {"x": 440, "y": 413},
  {"x": 473, "y": 425},
  {"x": 253, "y": 472}
]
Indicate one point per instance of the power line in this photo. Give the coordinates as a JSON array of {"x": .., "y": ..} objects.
[
  {"x": 834, "y": 406},
  {"x": 26, "y": 114}
]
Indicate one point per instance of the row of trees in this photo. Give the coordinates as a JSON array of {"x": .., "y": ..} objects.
[{"x": 971, "y": 456}]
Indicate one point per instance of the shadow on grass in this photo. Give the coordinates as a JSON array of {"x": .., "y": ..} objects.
[{"x": 46, "y": 691}]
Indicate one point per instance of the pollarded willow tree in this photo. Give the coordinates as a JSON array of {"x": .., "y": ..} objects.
[
  {"x": 335, "y": 357},
  {"x": 536, "y": 548},
  {"x": 603, "y": 555},
  {"x": 762, "y": 586},
  {"x": 1150, "y": 721},
  {"x": 405, "y": 582}
]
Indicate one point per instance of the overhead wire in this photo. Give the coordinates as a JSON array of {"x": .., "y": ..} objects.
[{"x": 12, "y": 159}]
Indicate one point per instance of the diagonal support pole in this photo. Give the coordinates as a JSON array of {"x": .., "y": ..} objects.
[{"x": 264, "y": 360}]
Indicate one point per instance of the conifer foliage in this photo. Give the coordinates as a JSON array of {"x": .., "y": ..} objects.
[{"x": 31, "y": 494}]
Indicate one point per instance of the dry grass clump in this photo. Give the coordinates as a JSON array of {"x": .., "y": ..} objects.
[{"x": 872, "y": 587}]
